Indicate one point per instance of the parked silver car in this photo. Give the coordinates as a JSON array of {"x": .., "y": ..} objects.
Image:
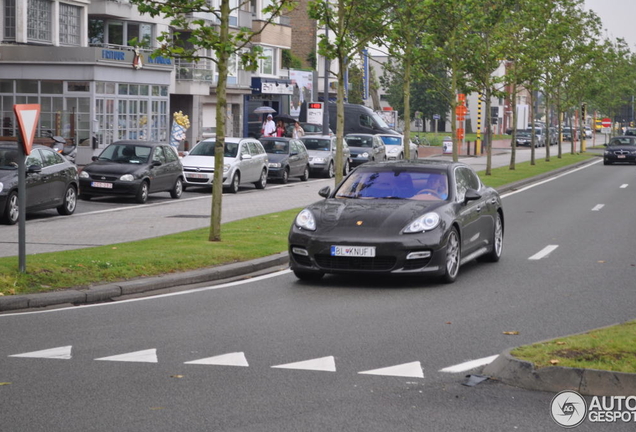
[
  {"x": 365, "y": 148},
  {"x": 395, "y": 147},
  {"x": 245, "y": 161},
  {"x": 322, "y": 152}
]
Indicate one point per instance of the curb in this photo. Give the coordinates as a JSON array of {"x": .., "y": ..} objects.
[
  {"x": 108, "y": 292},
  {"x": 592, "y": 382}
]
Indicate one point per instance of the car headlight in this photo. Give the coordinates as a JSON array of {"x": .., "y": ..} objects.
[
  {"x": 306, "y": 220},
  {"x": 84, "y": 174},
  {"x": 127, "y": 177},
  {"x": 423, "y": 223},
  {"x": 274, "y": 165},
  {"x": 608, "y": 152},
  {"x": 320, "y": 159},
  {"x": 226, "y": 167},
  {"x": 365, "y": 155},
  {"x": 1, "y": 186}
]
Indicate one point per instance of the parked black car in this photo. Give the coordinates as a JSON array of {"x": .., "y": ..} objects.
[
  {"x": 365, "y": 148},
  {"x": 419, "y": 217},
  {"x": 51, "y": 182},
  {"x": 133, "y": 168},
  {"x": 620, "y": 149},
  {"x": 288, "y": 157}
]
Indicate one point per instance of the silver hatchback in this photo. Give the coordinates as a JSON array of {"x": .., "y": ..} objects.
[
  {"x": 244, "y": 161},
  {"x": 322, "y": 153}
]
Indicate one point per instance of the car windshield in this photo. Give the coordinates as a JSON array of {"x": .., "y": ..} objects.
[
  {"x": 359, "y": 141},
  {"x": 126, "y": 153},
  {"x": 317, "y": 144},
  {"x": 395, "y": 184},
  {"x": 206, "y": 148},
  {"x": 276, "y": 146},
  {"x": 622, "y": 142},
  {"x": 392, "y": 140},
  {"x": 8, "y": 159}
]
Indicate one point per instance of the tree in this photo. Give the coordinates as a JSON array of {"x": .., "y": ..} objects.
[{"x": 195, "y": 38}]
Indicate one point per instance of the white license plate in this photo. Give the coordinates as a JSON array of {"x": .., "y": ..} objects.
[
  {"x": 621, "y": 156},
  {"x": 353, "y": 251},
  {"x": 102, "y": 185},
  {"x": 198, "y": 176}
]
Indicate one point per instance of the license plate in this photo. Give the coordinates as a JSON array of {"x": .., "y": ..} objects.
[
  {"x": 353, "y": 251},
  {"x": 621, "y": 156},
  {"x": 198, "y": 176},
  {"x": 102, "y": 185}
]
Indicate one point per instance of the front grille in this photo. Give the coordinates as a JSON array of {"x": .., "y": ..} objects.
[
  {"x": 196, "y": 180},
  {"x": 302, "y": 260},
  {"x": 100, "y": 177},
  {"x": 621, "y": 152},
  {"x": 201, "y": 170},
  {"x": 379, "y": 263}
]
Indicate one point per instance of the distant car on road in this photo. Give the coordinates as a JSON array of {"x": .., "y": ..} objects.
[
  {"x": 133, "y": 168},
  {"x": 288, "y": 157},
  {"x": 423, "y": 217},
  {"x": 322, "y": 154},
  {"x": 620, "y": 149},
  {"x": 395, "y": 147},
  {"x": 51, "y": 182},
  {"x": 244, "y": 161},
  {"x": 365, "y": 148}
]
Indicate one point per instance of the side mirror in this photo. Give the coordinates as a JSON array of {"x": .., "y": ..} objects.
[
  {"x": 156, "y": 163},
  {"x": 32, "y": 169},
  {"x": 246, "y": 156},
  {"x": 471, "y": 195},
  {"x": 94, "y": 158},
  {"x": 324, "y": 192}
]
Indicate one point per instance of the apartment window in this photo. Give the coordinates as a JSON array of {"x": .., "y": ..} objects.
[
  {"x": 39, "y": 21},
  {"x": 267, "y": 61},
  {"x": 115, "y": 33},
  {"x": 9, "y": 19},
  {"x": 124, "y": 33},
  {"x": 69, "y": 24}
]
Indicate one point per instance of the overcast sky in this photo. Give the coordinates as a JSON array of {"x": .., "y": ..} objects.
[{"x": 618, "y": 18}]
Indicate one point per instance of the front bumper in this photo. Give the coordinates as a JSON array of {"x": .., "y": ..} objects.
[{"x": 88, "y": 187}]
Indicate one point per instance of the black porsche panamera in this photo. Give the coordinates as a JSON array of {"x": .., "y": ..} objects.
[{"x": 422, "y": 216}]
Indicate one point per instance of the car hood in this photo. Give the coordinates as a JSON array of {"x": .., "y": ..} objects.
[
  {"x": 361, "y": 149},
  {"x": 204, "y": 161},
  {"x": 376, "y": 216},
  {"x": 318, "y": 153},
  {"x": 113, "y": 168},
  {"x": 277, "y": 157},
  {"x": 8, "y": 176}
]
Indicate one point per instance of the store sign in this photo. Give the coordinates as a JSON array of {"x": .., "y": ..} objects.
[{"x": 277, "y": 88}]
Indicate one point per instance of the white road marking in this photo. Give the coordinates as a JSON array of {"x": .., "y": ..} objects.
[
  {"x": 544, "y": 252},
  {"x": 472, "y": 364},
  {"x": 412, "y": 370},
  {"x": 144, "y": 356},
  {"x": 325, "y": 364},
  {"x": 598, "y": 207},
  {"x": 231, "y": 359},
  {"x": 62, "y": 353},
  {"x": 623, "y": 186}
]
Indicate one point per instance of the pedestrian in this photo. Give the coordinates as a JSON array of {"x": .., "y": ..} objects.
[
  {"x": 269, "y": 128},
  {"x": 298, "y": 131},
  {"x": 280, "y": 129}
]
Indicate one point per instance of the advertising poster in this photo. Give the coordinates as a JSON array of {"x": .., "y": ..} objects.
[{"x": 302, "y": 82}]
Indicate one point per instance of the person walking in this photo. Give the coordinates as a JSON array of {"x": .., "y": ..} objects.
[
  {"x": 280, "y": 128},
  {"x": 269, "y": 127},
  {"x": 298, "y": 131}
]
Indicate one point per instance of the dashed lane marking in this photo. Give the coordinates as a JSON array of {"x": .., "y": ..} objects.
[
  {"x": 544, "y": 252},
  {"x": 472, "y": 364},
  {"x": 62, "y": 353}
]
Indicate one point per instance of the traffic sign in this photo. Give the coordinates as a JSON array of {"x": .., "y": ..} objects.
[
  {"x": 606, "y": 122},
  {"x": 28, "y": 116}
]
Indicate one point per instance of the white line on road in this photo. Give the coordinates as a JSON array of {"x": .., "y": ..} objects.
[
  {"x": 623, "y": 186},
  {"x": 472, "y": 364},
  {"x": 544, "y": 252},
  {"x": 598, "y": 207}
]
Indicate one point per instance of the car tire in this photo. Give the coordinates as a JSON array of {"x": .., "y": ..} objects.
[
  {"x": 177, "y": 189},
  {"x": 497, "y": 241},
  {"x": 453, "y": 257},
  {"x": 11, "y": 210},
  {"x": 308, "y": 275},
  {"x": 346, "y": 168},
  {"x": 305, "y": 175},
  {"x": 401, "y": 156},
  {"x": 234, "y": 184},
  {"x": 262, "y": 181},
  {"x": 70, "y": 202},
  {"x": 330, "y": 171},
  {"x": 142, "y": 193},
  {"x": 285, "y": 177}
]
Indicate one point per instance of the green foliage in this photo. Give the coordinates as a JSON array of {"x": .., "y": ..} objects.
[{"x": 290, "y": 61}]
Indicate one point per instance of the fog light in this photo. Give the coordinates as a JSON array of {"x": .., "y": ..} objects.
[
  {"x": 418, "y": 255},
  {"x": 300, "y": 251}
]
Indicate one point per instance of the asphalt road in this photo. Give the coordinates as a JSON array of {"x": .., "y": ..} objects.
[{"x": 351, "y": 336}]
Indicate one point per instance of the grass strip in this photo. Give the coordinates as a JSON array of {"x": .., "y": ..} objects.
[{"x": 609, "y": 348}]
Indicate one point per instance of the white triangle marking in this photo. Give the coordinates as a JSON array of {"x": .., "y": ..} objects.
[
  {"x": 144, "y": 356},
  {"x": 230, "y": 359},
  {"x": 28, "y": 120},
  {"x": 413, "y": 370},
  {"x": 325, "y": 364},
  {"x": 63, "y": 353}
]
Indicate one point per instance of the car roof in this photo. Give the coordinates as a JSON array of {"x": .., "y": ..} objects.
[
  {"x": 317, "y": 137},
  {"x": 140, "y": 143},
  {"x": 275, "y": 139},
  {"x": 14, "y": 145},
  {"x": 230, "y": 139}
]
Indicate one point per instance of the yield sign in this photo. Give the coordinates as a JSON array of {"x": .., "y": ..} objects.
[{"x": 28, "y": 116}]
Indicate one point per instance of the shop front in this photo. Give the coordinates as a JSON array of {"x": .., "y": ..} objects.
[{"x": 266, "y": 92}]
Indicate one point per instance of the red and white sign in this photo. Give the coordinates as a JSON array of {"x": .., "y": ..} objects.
[
  {"x": 606, "y": 122},
  {"x": 28, "y": 116}
]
